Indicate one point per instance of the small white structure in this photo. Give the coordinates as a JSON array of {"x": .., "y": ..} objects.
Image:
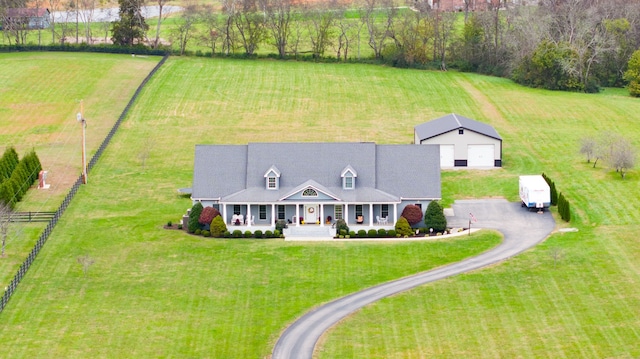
[
  {"x": 42, "y": 177},
  {"x": 463, "y": 142},
  {"x": 534, "y": 192}
]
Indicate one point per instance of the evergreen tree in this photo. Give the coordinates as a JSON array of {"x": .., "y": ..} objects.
[
  {"x": 194, "y": 217},
  {"x": 132, "y": 27},
  {"x": 434, "y": 217},
  {"x": 554, "y": 194}
]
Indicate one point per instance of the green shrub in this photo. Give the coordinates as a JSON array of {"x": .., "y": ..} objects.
[
  {"x": 276, "y": 234},
  {"x": 169, "y": 224},
  {"x": 180, "y": 226},
  {"x": 435, "y": 218},
  {"x": 372, "y": 233},
  {"x": 248, "y": 234},
  {"x": 382, "y": 232},
  {"x": 268, "y": 234},
  {"x": 236, "y": 233},
  {"x": 403, "y": 228},
  {"x": 206, "y": 233},
  {"x": 362, "y": 233},
  {"x": 227, "y": 234},
  {"x": 198, "y": 232},
  {"x": 194, "y": 216},
  {"x": 343, "y": 232},
  {"x": 218, "y": 227},
  {"x": 281, "y": 224},
  {"x": 392, "y": 233},
  {"x": 341, "y": 225},
  {"x": 352, "y": 234},
  {"x": 257, "y": 234}
]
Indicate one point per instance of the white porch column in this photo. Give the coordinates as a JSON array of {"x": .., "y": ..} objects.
[
  {"x": 370, "y": 214},
  {"x": 321, "y": 215},
  {"x": 224, "y": 212},
  {"x": 297, "y": 215},
  {"x": 248, "y": 219},
  {"x": 273, "y": 214},
  {"x": 346, "y": 213},
  {"x": 395, "y": 213}
]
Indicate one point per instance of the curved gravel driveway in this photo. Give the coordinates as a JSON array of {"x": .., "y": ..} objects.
[{"x": 521, "y": 229}]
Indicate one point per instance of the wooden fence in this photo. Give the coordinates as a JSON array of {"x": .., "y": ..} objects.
[
  {"x": 24, "y": 267},
  {"x": 28, "y": 216}
]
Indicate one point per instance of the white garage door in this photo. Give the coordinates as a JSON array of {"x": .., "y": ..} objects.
[
  {"x": 446, "y": 155},
  {"x": 480, "y": 156}
]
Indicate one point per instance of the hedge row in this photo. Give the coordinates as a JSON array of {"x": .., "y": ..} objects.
[
  {"x": 564, "y": 209},
  {"x": 101, "y": 48},
  {"x": 239, "y": 234},
  {"x": 23, "y": 175}
]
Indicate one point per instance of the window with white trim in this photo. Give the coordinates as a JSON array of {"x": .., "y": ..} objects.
[
  {"x": 281, "y": 213},
  {"x": 309, "y": 192},
  {"x": 272, "y": 182},
  {"x": 263, "y": 212},
  {"x": 236, "y": 209},
  {"x": 385, "y": 211},
  {"x": 337, "y": 212},
  {"x": 348, "y": 181}
]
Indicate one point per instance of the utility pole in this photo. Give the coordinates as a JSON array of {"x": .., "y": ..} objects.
[{"x": 80, "y": 118}]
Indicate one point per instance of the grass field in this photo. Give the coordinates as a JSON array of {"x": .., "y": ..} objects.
[
  {"x": 40, "y": 95},
  {"x": 154, "y": 292}
]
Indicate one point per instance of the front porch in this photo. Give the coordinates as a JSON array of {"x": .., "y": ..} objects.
[{"x": 361, "y": 215}]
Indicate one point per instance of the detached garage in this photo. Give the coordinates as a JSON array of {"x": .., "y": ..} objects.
[{"x": 463, "y": 142}]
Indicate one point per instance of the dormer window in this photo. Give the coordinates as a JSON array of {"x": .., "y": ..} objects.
[
  {"x": 272, "y": 177},
  {"x": 348, "y": 178},
  {"x": 348, "y": 182},
  {"x": 461, "y": 131},
  {"x": 272, "y": 182}
]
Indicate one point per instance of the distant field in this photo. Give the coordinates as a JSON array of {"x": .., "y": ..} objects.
[
  {"x": 40, "y": 95},
  {"x": 155, "y": 293}
]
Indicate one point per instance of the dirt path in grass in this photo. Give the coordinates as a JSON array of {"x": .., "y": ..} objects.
[
  {"x": 489, "y": 110},
  {"x": 521, "y": 229}
]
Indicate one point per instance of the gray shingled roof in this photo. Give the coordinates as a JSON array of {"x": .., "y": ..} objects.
[
  {"x": 385, "y": 173},
  {"x": 452, "y": 122}
]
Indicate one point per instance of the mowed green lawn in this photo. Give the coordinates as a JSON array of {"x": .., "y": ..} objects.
[
  {"x": 40, "y": 95},
  {"x": 154, "y": 292}
]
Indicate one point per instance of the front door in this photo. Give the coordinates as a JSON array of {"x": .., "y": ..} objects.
[{"x": 310, "y": 213}]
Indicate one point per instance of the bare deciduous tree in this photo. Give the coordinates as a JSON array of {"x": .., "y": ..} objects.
[
  {"x": 278, "y": 19},
  {"x": 321, "y": 19},
  {"x": 86, "y": 262},
  {"x": 623, "y": 156},
  {"x": 183, "y": 32},
  {"x": 556, "y": 255},
  {"x": 161, "y": 4},
  {"x": 5, "y": 219},
  {"x": 379, "y": 28},
  {"x": 250, "y": 25},
  {"x": 588, "y": 147},
  {"x": 213, "y": 28}
]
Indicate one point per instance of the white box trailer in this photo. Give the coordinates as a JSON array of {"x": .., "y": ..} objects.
[{"x": 534, "y": 192}]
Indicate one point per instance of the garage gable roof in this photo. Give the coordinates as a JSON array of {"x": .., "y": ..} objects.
[{"x": 452, "y": 122}]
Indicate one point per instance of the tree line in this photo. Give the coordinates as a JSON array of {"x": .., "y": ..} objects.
[{"x": 574, "y": 45}]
